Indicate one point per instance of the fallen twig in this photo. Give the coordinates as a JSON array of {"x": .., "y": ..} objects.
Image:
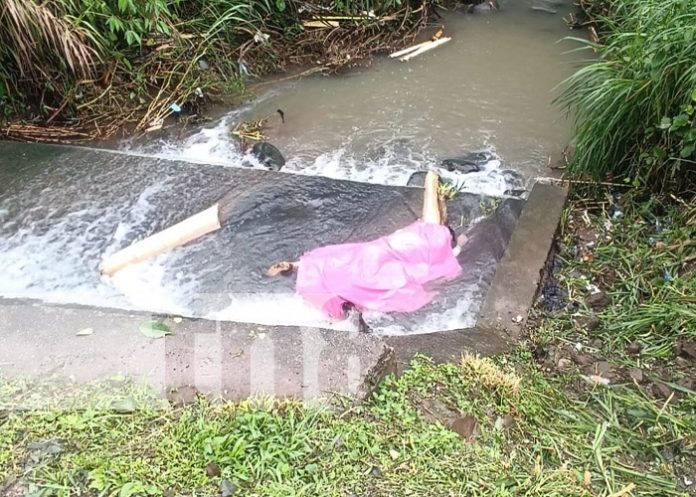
[{"x": 423, "y": 49}]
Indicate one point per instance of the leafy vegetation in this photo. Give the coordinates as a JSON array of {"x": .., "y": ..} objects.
[
  {"x": 634, "y": 103},
  {"x": 91, "y": 65}
]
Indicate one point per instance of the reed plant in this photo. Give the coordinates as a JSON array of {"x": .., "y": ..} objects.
[{"x": 633, "y": 104}]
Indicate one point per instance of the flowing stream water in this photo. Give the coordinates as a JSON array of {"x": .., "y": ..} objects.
[{"x": 489, "y": 89}]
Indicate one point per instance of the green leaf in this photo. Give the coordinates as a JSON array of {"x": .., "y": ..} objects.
[
  {"x": 154, "y": 329},
  {"x": 687, "y": 151},
  {"x": 133, "y": 38},
  {"x": 280, "y": 5},
  {"x": 693, "y": 95},
  {"x": 665, "y": 123},
  {"x": 679, "y": 122},
  {"x": 124, "y": 5},
  {"x": 130, "y": 489}
]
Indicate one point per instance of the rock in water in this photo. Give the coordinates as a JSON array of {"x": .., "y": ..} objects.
[
  {"x": 268, "y": 155},
  {"x": 468, "y": 163},
  {"x": 460, "y": 165},
  {"x": 417, "y": 179}
]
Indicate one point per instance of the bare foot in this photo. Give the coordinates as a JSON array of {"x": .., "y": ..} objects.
[{"x": 282, "y": 267}]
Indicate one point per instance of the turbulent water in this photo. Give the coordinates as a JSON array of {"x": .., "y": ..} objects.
[
  {"x": 487, "y": 90},
  {"x": 490, "y": 88}
]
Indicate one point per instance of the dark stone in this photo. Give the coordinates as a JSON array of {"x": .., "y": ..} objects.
[
  {"x": 540, "y": 353},
  {"x": 601, "y": 368},
  {"x": 662, "y": 391},
  {"x": 376, "y": 472},
  {"x": 515, "y": 192},
  {"x": 636, "y": 374},
  {"x": 688, "y": 383},
  {"x": 581, "y": 359},
  {"x": 590, "y": 323},
  {"x": 417, "y": 179},
  {"x": 513, "y": 179},
  {"x": 686, "y": 349},
  {"x": 598, "y": 301},
  {"x": 596, "y": 344},
  {"x": 212, "y": 469},
  {"x": 553, "y": 297},
  {"x": 633, "y": 348},
  {"x": 460, "y": 166},
  {"x": 465, "y": 426},
  {"x": 183, "y": 396},
  {"x": 556, "y": 264},
  {"x": 268, "y": 155},
  {"x": 227, "y": 488}
]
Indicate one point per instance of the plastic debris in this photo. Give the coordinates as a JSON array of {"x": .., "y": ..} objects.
[
  {"x": 596, "y": 380},
  {"x": 198, "y": 92},
  {"x": 175, "y": 108},
  {"x": 154, "y": 126},
  {"x": 243, "y": 69},
  {"x": 260, "y": 37}
]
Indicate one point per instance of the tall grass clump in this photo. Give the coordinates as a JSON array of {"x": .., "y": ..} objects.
[{"x": 633, "y": 105}]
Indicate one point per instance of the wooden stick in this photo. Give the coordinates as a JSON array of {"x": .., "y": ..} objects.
[
  {"x": 624, "y": 491},
  {"x": 409, "y": 49},
  {"x": 431, "y": 206},
  {"x": 181, "y": 233},
  {"x": 430, "y": 46}
]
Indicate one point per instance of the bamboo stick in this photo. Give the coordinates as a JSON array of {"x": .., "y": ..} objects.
[
  {"x": 430, "y": 46},
  {"x": 409, "y": 49}
]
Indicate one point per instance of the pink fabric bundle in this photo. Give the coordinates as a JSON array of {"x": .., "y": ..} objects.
[{"x": 384, "y": 275}]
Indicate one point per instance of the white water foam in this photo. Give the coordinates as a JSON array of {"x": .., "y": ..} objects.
[{"x": 392, "y": 165}]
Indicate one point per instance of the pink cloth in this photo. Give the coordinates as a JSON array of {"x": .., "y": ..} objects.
[{"x": 386, "y": 274}]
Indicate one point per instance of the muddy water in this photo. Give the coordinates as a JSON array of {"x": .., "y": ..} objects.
[{"x": 490, "y": 88}]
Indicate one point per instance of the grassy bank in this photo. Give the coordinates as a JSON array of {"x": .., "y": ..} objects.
[
  {"x": 79, "y": 70},
  {"x": 536, "y": 422},
  {"x": 634, "y": 102}
]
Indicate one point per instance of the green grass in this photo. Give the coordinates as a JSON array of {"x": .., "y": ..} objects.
[
  {"x": 645, "y": 260},
  {"x": 386, "y": 447},
  {"x": 634, "y": 102}
]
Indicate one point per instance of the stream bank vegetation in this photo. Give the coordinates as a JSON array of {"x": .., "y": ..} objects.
[
  {"x": 597, "y": 400},
  {"x": 73, "y": 70},
  {"x": 634, "y": 101}
]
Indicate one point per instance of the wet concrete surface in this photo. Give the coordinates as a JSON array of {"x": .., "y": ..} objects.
[{"x": 220, "y": 359}]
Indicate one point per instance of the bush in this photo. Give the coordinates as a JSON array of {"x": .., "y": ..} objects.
[{"x": 634, "y": 104}]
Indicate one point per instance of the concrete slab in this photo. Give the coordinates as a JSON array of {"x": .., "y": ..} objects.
[
  {"x": 229, "y": 360},
  {"x": 519, "y": 272}
]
